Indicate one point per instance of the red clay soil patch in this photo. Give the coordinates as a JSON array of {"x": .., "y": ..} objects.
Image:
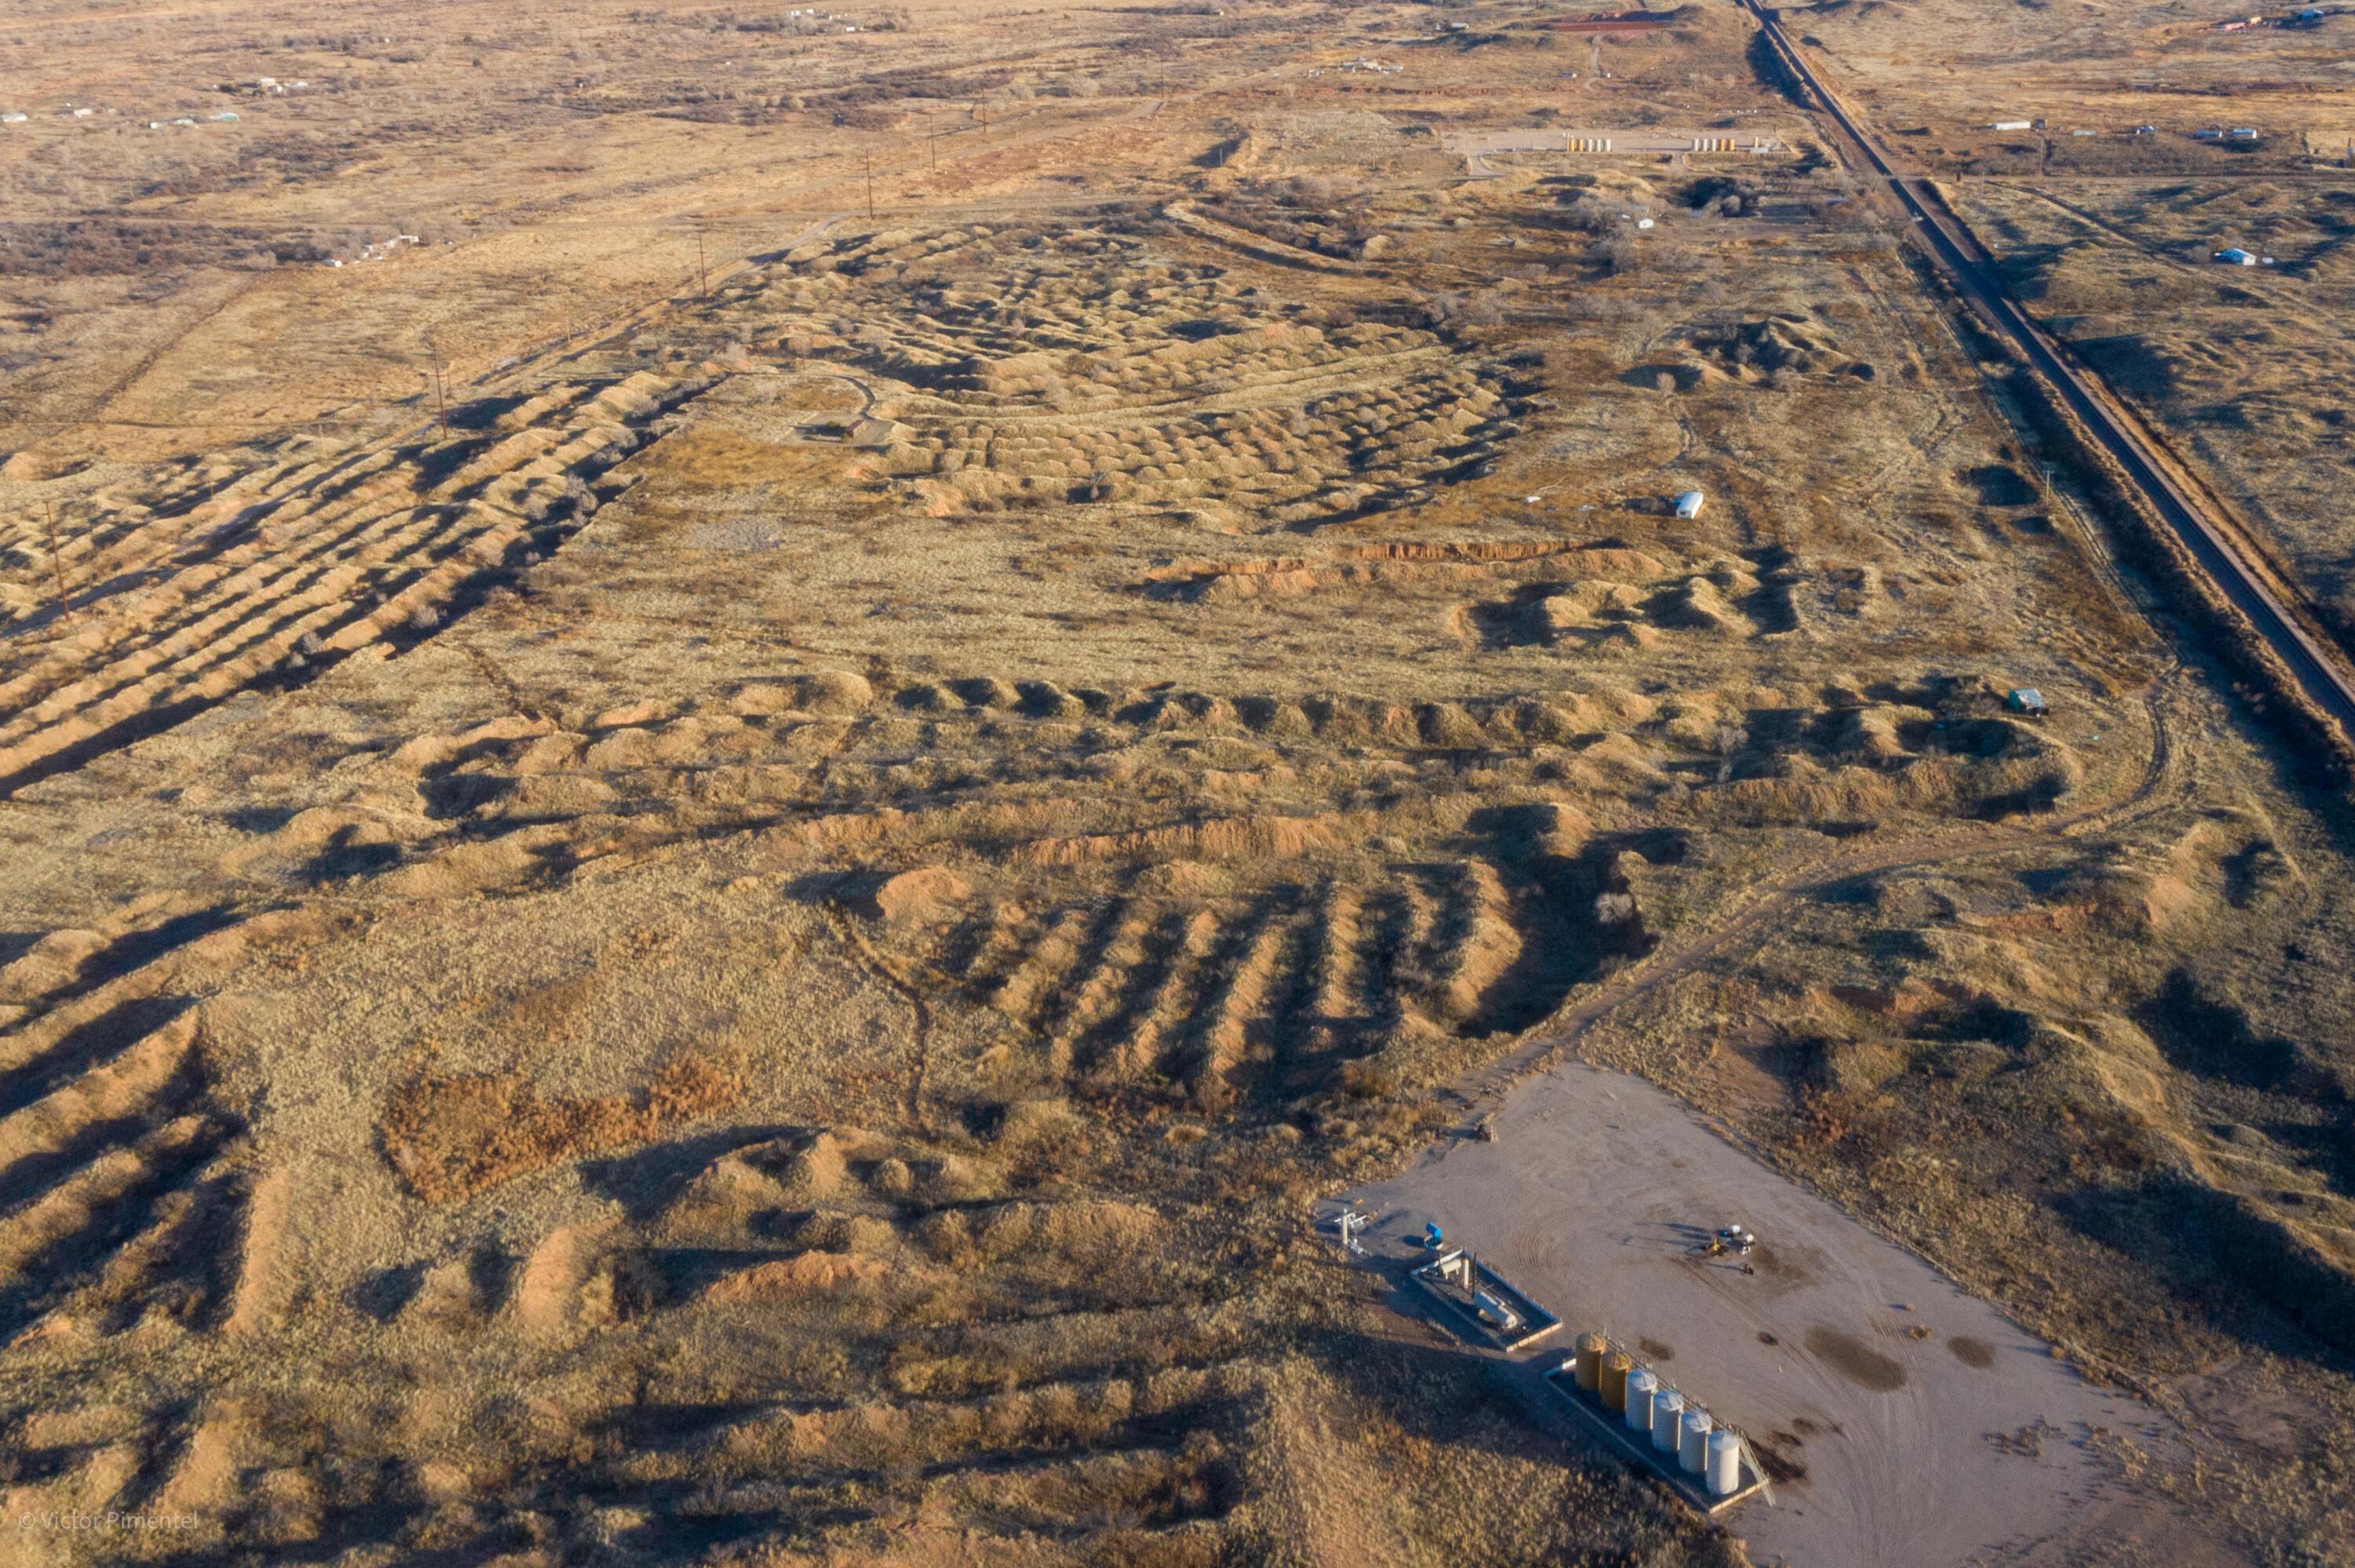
[
  {"x": 1854, "y": 1360},
  {"x": 450, "y": 1137}
]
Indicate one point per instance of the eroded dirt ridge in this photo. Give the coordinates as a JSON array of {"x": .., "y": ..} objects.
[{"x": 210, "y": 576}]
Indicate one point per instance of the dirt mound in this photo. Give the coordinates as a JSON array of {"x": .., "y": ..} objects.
[
  {"x": 788, "y": 1279},
  {"x": 1796, "y": 343},
  {"x": 1227, "y": 839},
  {"x": 925, "y": 893}
]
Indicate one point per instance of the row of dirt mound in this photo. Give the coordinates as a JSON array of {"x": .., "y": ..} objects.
[
  {"x": 1085, "y": 365},
  {"x": 1777, "y": 347},
  {"x": 199, "y": 583},
  {"x": 131, "y": 1198}
]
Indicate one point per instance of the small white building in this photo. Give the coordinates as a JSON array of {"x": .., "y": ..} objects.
[
  {"x": 2236, "y": 257},
  {"x": 14, "y": 117},
  {"x": 1688, "y": 504}
]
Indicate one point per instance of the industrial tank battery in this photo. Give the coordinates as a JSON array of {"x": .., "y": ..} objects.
[
  {"x": 1641, "y": 1385},
  {"x": 1668, "y": 1410},
  {"x": 1589, "y": 1363},
  {"x": 1724, "y": 1464},
  {"x": 1692, "y": 1441},
  {"x": 1616, "y": 1368}
]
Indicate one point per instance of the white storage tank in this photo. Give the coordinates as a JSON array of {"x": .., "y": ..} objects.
[
  {"x": 1724, "y": 1464},
  {"x": 1692, "y": 1441},
  {"x": 1641, "y": 1386},
  {"x": 1668, "y": 1410},
  {"x": 1688, "y": 503}
]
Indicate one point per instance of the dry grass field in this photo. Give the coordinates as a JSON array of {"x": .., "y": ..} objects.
[{"x": 701, "y": 873}]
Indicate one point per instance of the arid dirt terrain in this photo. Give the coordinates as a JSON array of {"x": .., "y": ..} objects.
[{"x": 740, "y": 749}]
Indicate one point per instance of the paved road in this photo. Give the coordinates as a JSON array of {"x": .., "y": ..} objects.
[{"x": 2235, "y": 564}]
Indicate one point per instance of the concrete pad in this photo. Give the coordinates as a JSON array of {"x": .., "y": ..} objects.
[{"x": 1966, "y": 1443}]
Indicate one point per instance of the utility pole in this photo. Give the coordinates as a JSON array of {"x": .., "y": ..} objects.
[
  {"x": 702, "y": 272},
  {"x": 57, "y": 563},
  {"x": 870, "y": 187}
]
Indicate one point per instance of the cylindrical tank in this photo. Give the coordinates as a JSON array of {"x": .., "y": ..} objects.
[
  {"x": 1616, "y": 1368},
  {"x": 1641, "y": 1384},
  {"x": 1724, "y": 1463},
  {"x": 1668, "y": 1410},
  {"x": 1691, "y": 1440},
  {"x": 1591, "y": 1349}
]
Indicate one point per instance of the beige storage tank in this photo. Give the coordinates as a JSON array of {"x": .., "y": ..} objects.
[
  {"x": 1668, "y": 1410},
  {"x": 1692, "y": 1441},
  {"x": 1641, "y": 1384},
  {"x": 1724, "y": 1464},
  {"x": 1591, "y": 1349},
  {"x": 1616, "y": 1368}
]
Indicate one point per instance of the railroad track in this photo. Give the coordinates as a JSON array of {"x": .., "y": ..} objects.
[{"x": 2224, "y": 552}]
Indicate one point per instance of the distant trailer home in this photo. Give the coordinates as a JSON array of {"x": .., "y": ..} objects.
[
  {"x": 2236, "y": 257},
  {"x": 1688, "y": 503}
]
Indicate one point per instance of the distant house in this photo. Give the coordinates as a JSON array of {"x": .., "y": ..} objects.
[
  {"x": 2236, "y": 257},
  {"x": 12, "y": 118},
  {"x": 2026, "y": 700},
  {"x": 1688, "y": 503}
]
